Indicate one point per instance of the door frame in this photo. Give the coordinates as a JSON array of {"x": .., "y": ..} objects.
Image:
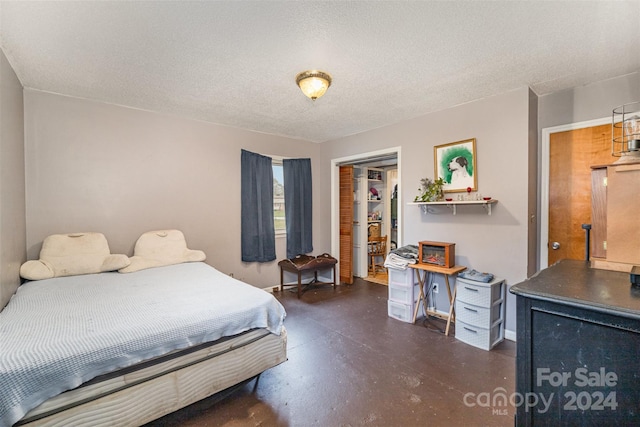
[
  {"x": 335, "y": 191},
  {"x": 544, "y": 180}
]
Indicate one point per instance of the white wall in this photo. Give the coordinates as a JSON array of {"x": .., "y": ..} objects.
[
  {"x": 12, "y": 188},
  {"x": 92, "y": 166},
  {"x": 589, "y": 102},
  {"x": 498, "y": 243}
]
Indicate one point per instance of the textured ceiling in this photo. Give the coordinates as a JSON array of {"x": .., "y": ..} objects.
[{"x": 234, "y": 62}]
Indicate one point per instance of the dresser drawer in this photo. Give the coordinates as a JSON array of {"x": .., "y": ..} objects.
[
  {"x": 482, "y": 317},
  {"x": 484, "y": 338},
  {"x": 478, "y": 293},
  {"x": 404, "y": 278},
  {"x": 403, "y": 312},
  {"x": 404, "y": 294}
]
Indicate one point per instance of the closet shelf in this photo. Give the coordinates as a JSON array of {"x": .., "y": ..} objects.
[{"x": 454, "y": 203}]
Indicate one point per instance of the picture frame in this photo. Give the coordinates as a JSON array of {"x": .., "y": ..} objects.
[{"x": 455, "y": 163}]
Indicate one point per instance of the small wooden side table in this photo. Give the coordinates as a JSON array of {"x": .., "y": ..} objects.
[
  {"x": 422, "y": 280},
  {"x": 303, "y": 263}
]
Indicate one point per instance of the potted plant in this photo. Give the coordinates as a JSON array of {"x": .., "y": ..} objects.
[{"x": 430, "y": 190}]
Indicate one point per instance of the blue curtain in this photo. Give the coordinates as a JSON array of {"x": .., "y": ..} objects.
[
  {"x": 258, "y": 234},
  {"x": 297, "y": 206}
]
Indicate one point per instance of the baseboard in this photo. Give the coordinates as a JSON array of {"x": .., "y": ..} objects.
[{"x": 509, "y": 335}]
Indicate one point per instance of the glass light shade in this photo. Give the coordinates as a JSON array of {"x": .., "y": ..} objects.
[
  {"x": 625, "y": 132},
  {"x": 313, "y": 84},
  {"x": 632, "y": 133}
]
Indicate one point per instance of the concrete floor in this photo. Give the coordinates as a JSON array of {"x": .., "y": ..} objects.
[{"x": 349, "y": 364}]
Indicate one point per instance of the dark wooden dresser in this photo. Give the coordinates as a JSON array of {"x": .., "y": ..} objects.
[{"x": 578, "y": 347}]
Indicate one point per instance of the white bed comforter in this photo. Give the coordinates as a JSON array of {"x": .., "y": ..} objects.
[{"x": 56, "y": 334}]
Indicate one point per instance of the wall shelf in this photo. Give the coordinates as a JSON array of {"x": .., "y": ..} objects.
[{"x": 454, "y": 203}]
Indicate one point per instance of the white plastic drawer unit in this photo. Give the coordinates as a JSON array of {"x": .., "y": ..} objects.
[{"x": 480, "y": 312}]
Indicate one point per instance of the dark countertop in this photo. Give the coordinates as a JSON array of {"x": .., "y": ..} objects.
[{"x": 574, "y": 283}]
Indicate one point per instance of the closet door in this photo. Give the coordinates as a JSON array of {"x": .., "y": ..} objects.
[{"x": 346, "y": 225}]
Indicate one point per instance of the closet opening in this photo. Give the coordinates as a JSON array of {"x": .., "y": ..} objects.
[{"x": 366, "y": 208}]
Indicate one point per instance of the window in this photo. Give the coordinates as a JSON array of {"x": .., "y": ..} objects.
[{"x": 279, "y": 221}]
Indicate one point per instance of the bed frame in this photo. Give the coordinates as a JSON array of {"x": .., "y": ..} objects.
[{"x": 152, "y": 389}]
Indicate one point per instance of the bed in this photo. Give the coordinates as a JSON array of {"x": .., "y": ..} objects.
[{"x": 115, "y": 348}]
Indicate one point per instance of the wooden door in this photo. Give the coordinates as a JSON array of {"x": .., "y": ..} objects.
[
  {"x": 571, "y": 155},
  {"x": 346, "y": 224}
]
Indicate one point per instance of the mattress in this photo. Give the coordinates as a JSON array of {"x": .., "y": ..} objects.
[
  {"x": 59, "y": 333},
  {"x": 144, "y": 392}
]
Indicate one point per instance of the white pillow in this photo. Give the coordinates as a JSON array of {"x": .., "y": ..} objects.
[
  {"x": 73, "y": 254},
  {"x": 160, "y": 248}
]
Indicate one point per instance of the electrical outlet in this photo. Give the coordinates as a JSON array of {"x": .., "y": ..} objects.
[{"x": 435, "y": 288}]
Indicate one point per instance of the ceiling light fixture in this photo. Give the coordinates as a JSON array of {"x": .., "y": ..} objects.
[{"x": 313, "y": 83}]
